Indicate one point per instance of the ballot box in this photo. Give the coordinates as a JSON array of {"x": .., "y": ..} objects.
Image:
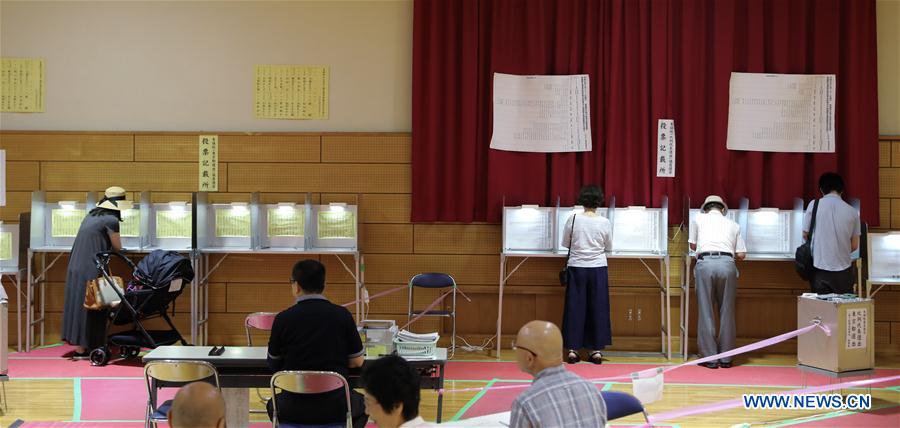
[{"x": 851, "y": 320}]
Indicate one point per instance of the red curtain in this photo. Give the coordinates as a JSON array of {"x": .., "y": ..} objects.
[{"x": 647, "y": 60}]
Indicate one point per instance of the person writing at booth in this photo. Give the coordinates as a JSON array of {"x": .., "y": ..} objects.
[
  {"x": 99, "y": 231},
  {"x": 315, "y": 334},
  {"x": 834, "y": 238},
  {"x": 718, "y": 243},
  {"x": 586, "y": 321}
]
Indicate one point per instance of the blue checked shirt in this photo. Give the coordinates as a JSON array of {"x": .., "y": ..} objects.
[{"x": 558, "y": 398}]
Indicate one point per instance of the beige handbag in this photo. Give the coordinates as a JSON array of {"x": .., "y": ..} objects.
[{"x": 99, "y": 293}]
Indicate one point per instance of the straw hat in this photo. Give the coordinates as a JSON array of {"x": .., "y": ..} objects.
[
  {"x": 114, "y": 199},
  {"x": 714, "y": 199}
]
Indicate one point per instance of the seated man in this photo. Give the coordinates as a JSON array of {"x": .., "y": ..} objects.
[
  {"x": 557, "y": 398},
  {"x": 392, "y": 393},
  {"x": 197, "y": 405},
  {"x": 315, "y": 334}
]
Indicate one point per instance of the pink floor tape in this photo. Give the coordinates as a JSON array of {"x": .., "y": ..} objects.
[
  {"x": 730, "y": 404},
  {"x": 382, "y": 294}
]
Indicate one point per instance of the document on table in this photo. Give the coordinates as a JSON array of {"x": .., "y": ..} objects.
[
  {"x": 528, "y": 229},
  {"x": 231, "y": 224},
  {"x": 290, "y": 92},
  {"x": 541, "y": 113},
  {"x": 286, "y": 223},
  {"x": 173, "y": 224},
  {"x": 336, "y": 225},
  {"x": 781, "y": 112},
  {"x": 130, "y": 227},
  {"x": 64, "y": 223}
]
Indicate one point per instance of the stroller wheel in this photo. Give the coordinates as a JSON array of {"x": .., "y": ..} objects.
[
  {"x": 131, "y": 352},
  {"x": 99, "y": 357}
]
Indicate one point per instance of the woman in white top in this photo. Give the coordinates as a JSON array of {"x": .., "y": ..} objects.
[{"x": 586, "y": 322}]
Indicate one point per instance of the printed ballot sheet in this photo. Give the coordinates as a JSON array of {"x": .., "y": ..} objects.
[
  {"x": 231, "y": 223},
  {"x": 290, "y": 92},
  {"x": 528, "y": 229},
  {"x": 781, "y": 112},
  {"x": 541, "y": 113},
  {"x": 285, "y": 222},
  {"x": 173, "y": 224},
  {"x": 336, "y": 225},
  {"x": 64, "y": 223}
]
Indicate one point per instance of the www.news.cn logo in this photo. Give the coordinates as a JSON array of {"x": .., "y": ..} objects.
[{"x": 808, "y": 401}]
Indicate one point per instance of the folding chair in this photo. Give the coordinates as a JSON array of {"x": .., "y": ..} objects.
[
  {"x": 258, "y": 321},
  {"x": 309, "y": 382},
  {"x": 621, "y": 404},
  {"x": 168, "y": 372},
  {"x": 434, "y": 280}
]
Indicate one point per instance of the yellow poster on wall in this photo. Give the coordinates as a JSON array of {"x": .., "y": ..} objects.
[
  {"x": 209, "y": 163},
  {"x": 64, "y": 223},
  {"x": 290, "y": 92},
  {"x": 22, "y": 85}
]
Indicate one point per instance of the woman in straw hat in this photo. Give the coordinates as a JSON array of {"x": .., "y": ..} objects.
[{"x": 99, "y": 232}]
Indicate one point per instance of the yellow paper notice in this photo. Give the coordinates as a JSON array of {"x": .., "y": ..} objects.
[
  {"x": 65, "y": 223},
  {"x": 5, "y": 246},
  {"x": 22, "y": 85},
  {"x": 336, "y": 225},
  {"x": 286, "y": 222},
  {"x": 290, "y": 92},
  {"x": 209, "y": 163},
  {"x": 231, "y": 224},
  {"x": 131, "y": 224},
  {"x": 173, "y": 224}
]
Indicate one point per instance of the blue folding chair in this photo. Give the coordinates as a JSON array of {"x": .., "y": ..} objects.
[
  {"x": 621, "y": 404},
  {"x": 435, "y": 280}
]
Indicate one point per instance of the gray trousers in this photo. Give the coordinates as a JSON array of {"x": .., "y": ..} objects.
[{"x": 716, "y": 283}]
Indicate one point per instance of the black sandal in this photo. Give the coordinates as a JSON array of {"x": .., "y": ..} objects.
[
  {"x": 572, "y": 357},
  {"x": 596, "y": 357}
]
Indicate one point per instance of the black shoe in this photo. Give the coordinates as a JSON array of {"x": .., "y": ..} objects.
[
  {"x": 81, "y": 355},
  {"x": 710, "y": 365},
  {"x": 596, "y": 357},
  {"x": 572, "y": 357},
  {"x": 725, "y": 365}
]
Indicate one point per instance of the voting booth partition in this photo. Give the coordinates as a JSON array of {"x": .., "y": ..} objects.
[{"x": 638, "y": 233}]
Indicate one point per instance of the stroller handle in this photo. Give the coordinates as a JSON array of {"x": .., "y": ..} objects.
[{"x": 102, "y": 259}]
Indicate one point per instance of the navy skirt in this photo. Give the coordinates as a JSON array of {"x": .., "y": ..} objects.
[{"x": 586, "y": 322}]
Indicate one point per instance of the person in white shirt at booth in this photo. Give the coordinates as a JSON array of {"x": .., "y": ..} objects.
[{"x": 718, "y": 243}]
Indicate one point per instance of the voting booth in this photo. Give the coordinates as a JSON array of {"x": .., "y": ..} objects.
[
  {"x": 54, "y": 225},
  {"x": 533, "y": 231},
  {"x": 851, "y": 321},
  {"x": 883, "y": 264}
]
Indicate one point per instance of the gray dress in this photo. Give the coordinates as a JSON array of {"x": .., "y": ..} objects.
[{"x": 80, "y": 326}]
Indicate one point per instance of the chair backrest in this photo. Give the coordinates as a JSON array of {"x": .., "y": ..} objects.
[
  {"x": 620, "y": 404},
  {"x": 178, "y": 371},
  {"x": 309, "y": 382},
  {"x": 432, "y": 280},
  {"x": 259, "y": 321}
]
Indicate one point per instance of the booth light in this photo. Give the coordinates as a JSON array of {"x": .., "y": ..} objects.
[
  {"x": 239, "y": 208},
  {"x": 178, "y": 206},
  {"x": 892, "y": 240},
  {"x": 67, "y": 205},
  {"x": 286, "y": 207},
  {"x": 766, "y": 216},
  {"x": 637, "y": 207},
  {"x": 337, "y": 206}
]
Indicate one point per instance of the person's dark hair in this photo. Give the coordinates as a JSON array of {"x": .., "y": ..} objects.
[
  {"x": 830, "y": 182},
  {"x": 715, "y": 205},
  {"x": 590, "y": 196},
  {"x": 96, "y": 212},
  {"x": 391, "y": 381},
  {"x": 310, "y": 274}
]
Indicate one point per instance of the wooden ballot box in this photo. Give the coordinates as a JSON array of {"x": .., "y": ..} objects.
[{"x": 851, "y": 344}]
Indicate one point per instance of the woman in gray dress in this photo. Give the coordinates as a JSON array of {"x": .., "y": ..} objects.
[{"x": 99, "y": 231}]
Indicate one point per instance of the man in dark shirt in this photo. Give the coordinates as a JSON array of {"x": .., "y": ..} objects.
[{"x": 315, "y": 334}]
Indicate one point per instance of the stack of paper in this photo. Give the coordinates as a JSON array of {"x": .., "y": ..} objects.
[{"x": 408, "y": 336}]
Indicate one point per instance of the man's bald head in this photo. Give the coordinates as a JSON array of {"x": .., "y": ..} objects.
[
  {"x": 197, "y": 404},
  {"x": 543, "y": 340}
]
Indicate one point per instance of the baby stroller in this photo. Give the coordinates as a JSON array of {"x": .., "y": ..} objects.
[{"x": 157, "y": 281}]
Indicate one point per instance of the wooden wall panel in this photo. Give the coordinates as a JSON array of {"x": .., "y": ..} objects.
[
  {"x": 22, "y": 176},
  {"x": 84, "y": 147},
  {"x": 269, "y": 148},
  {"x": 337, "y": 178},
  {"x": 384, "y": 208},
  {"x": 884, "y": 213},
  {"x": 133, "y": 176},
  {"x": 465, "y": 269},
  {"x": 367, "y": 148},
  {"x": 347, "y": 198},
  {"x": 882, "y": 333},
  {"x": 895, "y": 153},
  {"x": 889, "y": 182},
  {"x": 457, "y": 239},
  {"x": 887, "y": 304},
  {"x": 895, "y": 214},
  {"x": 884, "y": 154},
  {"x": 16, "y": 203},
  {"x": 386, "y": 238},
  {"x": 166, "y": 148}
]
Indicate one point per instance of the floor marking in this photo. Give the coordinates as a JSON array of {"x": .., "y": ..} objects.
[{"x": 472, "y": 401}]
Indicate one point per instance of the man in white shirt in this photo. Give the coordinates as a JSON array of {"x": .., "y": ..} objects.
[
  {"x": 835, "y": 236},
  {"x": 718, "y": 243}
]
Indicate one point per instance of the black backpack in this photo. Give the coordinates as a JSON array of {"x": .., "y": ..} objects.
[{"x": 803, "y": 258}]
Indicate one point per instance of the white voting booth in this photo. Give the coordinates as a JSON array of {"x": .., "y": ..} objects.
[
  {"x": 641, "y": 233},
  {"x": 883, "y": 262}
]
